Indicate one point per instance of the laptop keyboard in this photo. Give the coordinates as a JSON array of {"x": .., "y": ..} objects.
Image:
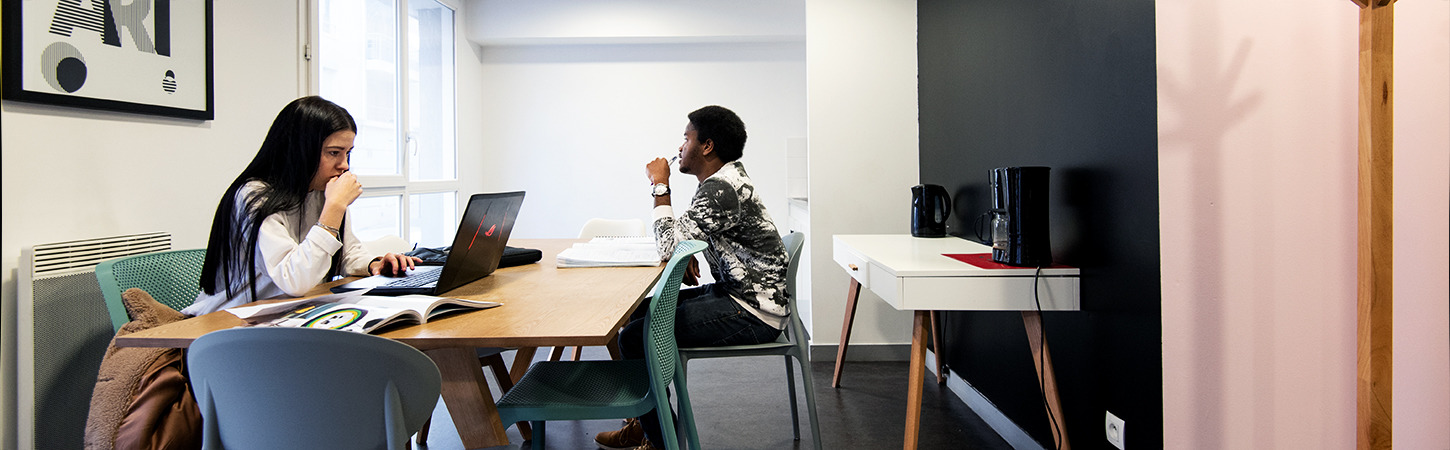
[{"x": 417, "y": 279}]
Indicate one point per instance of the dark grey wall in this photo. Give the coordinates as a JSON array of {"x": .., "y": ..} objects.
[{"x": 1068, "y": 84}]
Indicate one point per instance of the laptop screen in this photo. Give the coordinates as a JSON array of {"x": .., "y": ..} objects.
[{"x": 482, "y": 234}]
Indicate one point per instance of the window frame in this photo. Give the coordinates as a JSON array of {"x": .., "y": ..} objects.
[{"x": 397, "y": 184}]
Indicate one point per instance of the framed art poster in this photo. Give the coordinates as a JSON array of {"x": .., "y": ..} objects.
[{"x": 142, "y": 56}]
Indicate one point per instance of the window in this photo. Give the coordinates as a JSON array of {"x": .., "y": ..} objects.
[{"x": 396, "y": 77}]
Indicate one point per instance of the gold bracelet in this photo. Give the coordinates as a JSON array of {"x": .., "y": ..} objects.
[{"x": 336, "y": 233}]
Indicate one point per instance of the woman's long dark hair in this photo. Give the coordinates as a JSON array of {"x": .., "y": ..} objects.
[{"x": 285, "y": 165}]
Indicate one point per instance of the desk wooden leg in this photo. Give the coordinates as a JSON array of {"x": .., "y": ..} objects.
[
  {"x": 465, "y": 392},
  {"x": 523, "y": 358},
  {"x": 915, "y": 377},
  {"x": 505, "y": 382},
  {"x": 936, "y": 347},
  {"x": 852, "y": 294},
  {"x": 1042, "y": 358},
  {"x": 614, "y": 352}
]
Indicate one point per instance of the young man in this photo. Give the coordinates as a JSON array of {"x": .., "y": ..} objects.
[{"x": 748, "y": 303}]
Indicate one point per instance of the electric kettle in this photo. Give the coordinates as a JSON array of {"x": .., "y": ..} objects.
[{"x": 930, "y": 207}]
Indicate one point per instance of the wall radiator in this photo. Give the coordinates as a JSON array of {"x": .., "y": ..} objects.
[{"x": 62, "y": 330}]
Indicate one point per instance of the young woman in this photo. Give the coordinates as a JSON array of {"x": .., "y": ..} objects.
[{"x": 281, "y": 228}]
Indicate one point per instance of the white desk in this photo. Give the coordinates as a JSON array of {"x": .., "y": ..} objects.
[{"x": 914, "y": 274}]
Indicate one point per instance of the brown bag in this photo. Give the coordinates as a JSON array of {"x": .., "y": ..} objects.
[{"x": 164, "y": 414}]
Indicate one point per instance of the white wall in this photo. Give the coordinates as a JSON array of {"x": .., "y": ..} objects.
[
  {"x": 862, "y": 111},
  {"x": 1257, "y": 156},
  {"x": 561, "y": 22},
  {"x": 77, "y": 174},
  {"x": 573, "y": 124}
]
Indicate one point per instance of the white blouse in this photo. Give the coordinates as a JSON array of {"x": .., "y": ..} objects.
[{"x": 288, "y": 264}]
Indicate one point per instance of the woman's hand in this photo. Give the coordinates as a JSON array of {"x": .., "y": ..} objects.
[
  {"x": 342, "y": 190},
  {"x": 393, "y": 265}
]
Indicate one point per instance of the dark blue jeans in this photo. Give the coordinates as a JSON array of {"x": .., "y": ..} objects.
[{"x": 705, "y": 317}]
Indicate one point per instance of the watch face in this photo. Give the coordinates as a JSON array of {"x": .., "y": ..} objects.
[{"x": 661, "y": 189}]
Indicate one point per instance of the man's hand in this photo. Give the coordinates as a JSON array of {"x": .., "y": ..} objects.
[
  {"x": 692, "y": 273},
  {"x": 658, "y": 171}
]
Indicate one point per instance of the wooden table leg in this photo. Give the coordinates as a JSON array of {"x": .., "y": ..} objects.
[
  {"x": 505, "y": 382},
  {"x": 915, "y": 376},
  {"x": 852, "y": 294},
  {"x": 1042, "y": 358},
  {"x": 523, "y": 358},
  {"x": 936, "y": 347},
  {"x": 613, "y": 347},
  {"x": 466, "y": 393}
]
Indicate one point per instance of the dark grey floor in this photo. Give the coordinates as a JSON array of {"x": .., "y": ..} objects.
[{"x": 740, "y": 403}]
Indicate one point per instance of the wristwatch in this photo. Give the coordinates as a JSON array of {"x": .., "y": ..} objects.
[{"x": 661, "y": 190}]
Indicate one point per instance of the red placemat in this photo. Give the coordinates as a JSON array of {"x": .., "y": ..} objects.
[{"x": 984, "y": 260}]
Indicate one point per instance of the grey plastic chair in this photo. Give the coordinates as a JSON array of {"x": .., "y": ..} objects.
[
  {"x": 309, "y": 388},
  {"x": 171, "y": 277},
  {"x": 587, "y": 390},
  {"x": 793, "y": 343}
]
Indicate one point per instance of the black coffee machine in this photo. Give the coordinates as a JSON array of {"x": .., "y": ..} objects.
[
  {"x": 930, "y": 207},
  {"x": 1019, "y": 222}
]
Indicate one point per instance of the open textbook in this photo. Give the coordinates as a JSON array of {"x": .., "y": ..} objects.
[
  {"x": 353, "y": 311},
  {"x": 611, "y": 251}
]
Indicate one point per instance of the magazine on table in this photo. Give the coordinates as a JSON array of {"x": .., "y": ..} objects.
[{"x": 356, "y": 312}]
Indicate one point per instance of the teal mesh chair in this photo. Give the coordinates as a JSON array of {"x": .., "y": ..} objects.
[
  {"x": 309, "y": 388},
  {"x": 588, "y": 390},
  {"x": 793, "y": 343},
  {"x": 171, "y": 277}
]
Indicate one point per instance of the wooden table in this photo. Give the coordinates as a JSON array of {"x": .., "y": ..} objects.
[
  {"x": 542, "y": 306},
  {"x": 915, "y": 274}
]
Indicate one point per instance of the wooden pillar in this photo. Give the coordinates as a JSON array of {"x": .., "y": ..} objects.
[{"x": 1375, "y": 328}]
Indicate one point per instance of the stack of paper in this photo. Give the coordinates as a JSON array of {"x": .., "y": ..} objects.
[{"x": 612, "y": 251}]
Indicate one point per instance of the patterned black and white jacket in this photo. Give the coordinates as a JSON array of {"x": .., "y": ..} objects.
[{"x": 746, "y": 254}]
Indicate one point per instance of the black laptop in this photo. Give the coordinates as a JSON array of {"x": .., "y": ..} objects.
[{"x": 476, "y": 251}]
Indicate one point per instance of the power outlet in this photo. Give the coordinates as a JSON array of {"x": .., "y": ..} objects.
[{"x": 1114, "y": 427}]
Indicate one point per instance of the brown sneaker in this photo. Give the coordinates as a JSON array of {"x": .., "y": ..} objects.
[
  {"x": 628, "y": 438},
  {"x": 646, "y": 446}
]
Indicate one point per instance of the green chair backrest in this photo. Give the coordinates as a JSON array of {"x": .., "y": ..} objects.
[
  {"x": 171, "y": 277},
  {"x": 661, "y": 351},
  {"x": 794, "y": 243}
]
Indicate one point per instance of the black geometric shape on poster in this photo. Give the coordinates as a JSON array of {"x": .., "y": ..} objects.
[
  {"x": 110, "y": 35},
  {"x": 71, "y": 74},
  {"x": 168, "y": 82}
]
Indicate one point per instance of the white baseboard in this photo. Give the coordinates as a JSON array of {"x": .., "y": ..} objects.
[
  {"x": 1013, "y": 434},
  {"x": 863, "y": 352}
]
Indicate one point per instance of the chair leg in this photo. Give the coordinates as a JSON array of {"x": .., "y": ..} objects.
[
  {"x": 667, "y": 423},
  {"x": 795, "y": 421},
  {"x": 538, "y": 439},
  {"x": 687, "y": 412},
  {"x": 501, "y": 373},
  {"x": 556, "y": 353},
  {"x": 423, "y": 433},
  {"x": 578, "y": 352},
  {"x": 810, "y": 389}
]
